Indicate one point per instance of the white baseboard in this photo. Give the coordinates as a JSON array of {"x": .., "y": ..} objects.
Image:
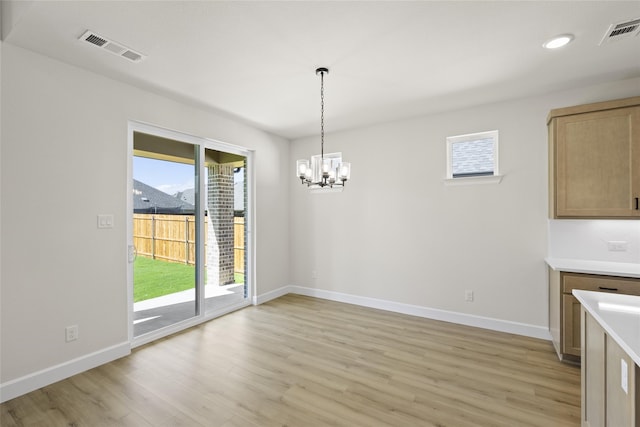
[
  {"x": 276, "y": 293},
  {"x": 415, "y": 310},
  {"x": 36, "y": 380}
]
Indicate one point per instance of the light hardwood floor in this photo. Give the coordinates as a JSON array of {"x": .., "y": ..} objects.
[{"x": 300, "y": 361}]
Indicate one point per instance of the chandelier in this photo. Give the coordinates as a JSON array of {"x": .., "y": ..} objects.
[{"x": 321, "y": 172}]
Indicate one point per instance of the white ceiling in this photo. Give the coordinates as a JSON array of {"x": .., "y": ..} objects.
[{"x": 388, "y": 60}]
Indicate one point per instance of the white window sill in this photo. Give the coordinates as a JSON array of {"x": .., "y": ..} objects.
[{"x": 474, "y": 180}]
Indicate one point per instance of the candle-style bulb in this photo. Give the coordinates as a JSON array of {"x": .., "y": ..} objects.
[
  {"x": 345, "y": 171},
  {"x": 302, "y": 166}
]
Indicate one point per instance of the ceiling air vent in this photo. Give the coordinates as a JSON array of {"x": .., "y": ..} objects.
[
  {"x": 621, "y": 31},
  {"x": 111, "y": 46}
]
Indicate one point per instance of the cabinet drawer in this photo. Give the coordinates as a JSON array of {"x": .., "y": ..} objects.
[{"x": 590, "y": 282}]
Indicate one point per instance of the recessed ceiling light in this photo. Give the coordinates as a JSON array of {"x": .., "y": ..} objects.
[{"x": 558, "y": 41}]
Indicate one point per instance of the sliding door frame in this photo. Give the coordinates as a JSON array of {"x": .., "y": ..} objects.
[{"x": 202, "y": 144}]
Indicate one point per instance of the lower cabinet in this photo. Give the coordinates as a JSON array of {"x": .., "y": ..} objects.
[
  {"x": 605, "y": 369},
  {"x": 593, "y": 379},
  {"x": 620, "y": 406},
  {"x": 564, "y": 308},
  {"x": 571, "y": 325}
]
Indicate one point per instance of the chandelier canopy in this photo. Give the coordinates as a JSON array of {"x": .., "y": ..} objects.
[{"x": 321, "y": 172}]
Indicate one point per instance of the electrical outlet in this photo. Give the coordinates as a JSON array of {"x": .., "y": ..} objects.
[
  {"x": 468, "y": 295},
  {"x": 71, "y": 333},
  {"x": 624, "y": 374},
  {"x": 617, "y": 245}
]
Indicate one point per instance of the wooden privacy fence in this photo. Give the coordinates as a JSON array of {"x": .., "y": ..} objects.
[{"x": 172, "y": 238}]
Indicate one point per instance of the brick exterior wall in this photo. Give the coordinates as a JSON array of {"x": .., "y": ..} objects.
[{"x": 220, "y": 236}]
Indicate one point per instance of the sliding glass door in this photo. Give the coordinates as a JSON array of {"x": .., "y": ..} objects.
[
  {"x": 164, "y": 208},
  {"x": 189, "y": 231}
]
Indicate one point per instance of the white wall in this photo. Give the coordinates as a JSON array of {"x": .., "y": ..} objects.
[
  {"x": 64, "y": 160},
  {"x": 588, "y": 240},
  {"x": 398, "y": 234}
]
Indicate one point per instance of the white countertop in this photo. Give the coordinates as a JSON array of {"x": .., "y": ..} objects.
[
  {"x": 622, "y": 269},
  {"x": 619, "y": 316}
]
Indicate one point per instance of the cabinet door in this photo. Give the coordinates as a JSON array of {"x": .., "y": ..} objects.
[
  {"x": 570, "y": 325},
  {"x": 620, "y": 403},
  {"x": 597, "y": 158},
  {"x": 593, "y": 372}
]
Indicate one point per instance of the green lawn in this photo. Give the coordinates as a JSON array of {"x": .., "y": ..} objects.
[{"x": 154, "y": 278}]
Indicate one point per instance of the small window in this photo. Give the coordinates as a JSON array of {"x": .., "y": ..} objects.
[{"x": 472, "y": 155}]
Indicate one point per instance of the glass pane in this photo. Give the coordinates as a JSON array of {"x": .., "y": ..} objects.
[
  {"x": 164, "y": 278},
  {"x": 224, "y": 225},
  {"x": 332, "y": 161},
  {"x": 472, "y": 158}
]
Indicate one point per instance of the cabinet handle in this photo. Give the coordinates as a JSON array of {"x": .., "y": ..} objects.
[
  {"x": 637, "y": 203},
  {"x": 603, "y": 288}
]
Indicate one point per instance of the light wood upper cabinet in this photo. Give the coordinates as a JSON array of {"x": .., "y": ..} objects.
[{"x": 594, "y": 160}]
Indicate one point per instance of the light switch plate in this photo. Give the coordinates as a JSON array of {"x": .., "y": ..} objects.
[
  {"x": 105, "y": 221},
  {"x": 468, "y": 295}
]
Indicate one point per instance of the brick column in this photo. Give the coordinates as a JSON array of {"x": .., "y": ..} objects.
[{"x": 220, "y": 231}]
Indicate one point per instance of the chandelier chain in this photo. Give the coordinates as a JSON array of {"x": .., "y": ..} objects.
[
  {"x": 333, "y": 173},
  {"x": 322, "y": 115}
]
